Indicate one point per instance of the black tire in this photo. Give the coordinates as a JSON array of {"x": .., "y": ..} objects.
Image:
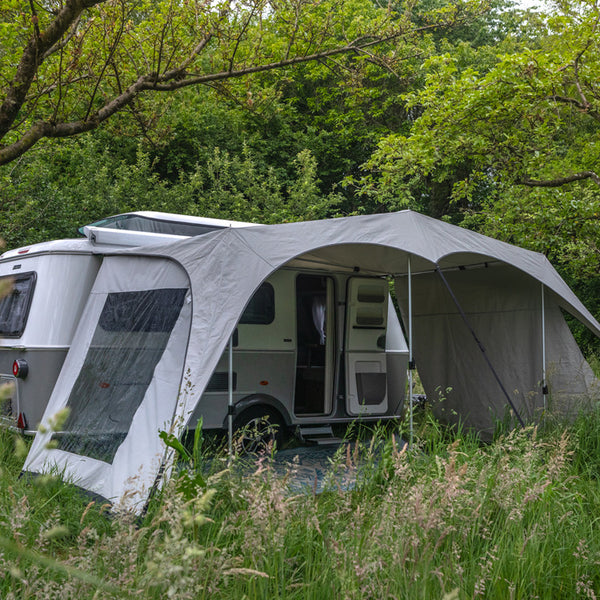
[{"x": 258, "y": 429}]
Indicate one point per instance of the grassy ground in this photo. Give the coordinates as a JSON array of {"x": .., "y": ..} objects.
[{"x": 518, "y": 518}]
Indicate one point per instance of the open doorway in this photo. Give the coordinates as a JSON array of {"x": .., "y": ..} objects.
[{"x": 314, "y": 335}]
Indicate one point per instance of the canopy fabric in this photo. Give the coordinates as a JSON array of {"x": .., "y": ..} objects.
[
  {"x": 109, "y": 444},
  {"x": 503, "y": 306},
  {"x": 377, "y": 244},
  {"x": 225, "y": 268}
]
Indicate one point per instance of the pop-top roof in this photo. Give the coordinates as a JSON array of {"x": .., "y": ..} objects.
[{"x": 164, "y": 223}]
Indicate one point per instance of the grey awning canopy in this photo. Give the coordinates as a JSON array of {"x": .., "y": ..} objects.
[
  {"x": 335, "y": 243},
  {"x": 220, "y": 272}
]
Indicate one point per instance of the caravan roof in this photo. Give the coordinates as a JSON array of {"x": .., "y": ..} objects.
[
  {"x": 132, "y": 229},
  {"x": 164, "y": 223},
  {"x": 63, "y": 246}
]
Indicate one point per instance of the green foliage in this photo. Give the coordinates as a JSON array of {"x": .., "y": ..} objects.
[
  {"x": 66, "y": 71},
  {"x": 512, "y": 138},
  {"x": 450, "y": 518},
  {"x": 586, "y": 458},
  {"x": 53, "y": 192},
  {"x": 190, "y": 479},
  {"x": 40, "y": 520},
  {"x": 271, "y": 146}
]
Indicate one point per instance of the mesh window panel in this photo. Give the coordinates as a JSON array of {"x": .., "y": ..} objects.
[
  {"x": 129, "y": 341},
  {"x": 154, "y": 225}
]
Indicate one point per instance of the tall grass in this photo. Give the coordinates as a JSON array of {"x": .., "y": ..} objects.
[{"x": 450, "y": 518}]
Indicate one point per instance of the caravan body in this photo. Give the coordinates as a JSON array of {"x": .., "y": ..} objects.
[
  {"x": 311, "y": 349},
  {"x": 50, "y": 284}
]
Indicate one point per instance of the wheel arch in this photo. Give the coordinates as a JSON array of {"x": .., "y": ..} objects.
[{"x": 260, "y": 400}]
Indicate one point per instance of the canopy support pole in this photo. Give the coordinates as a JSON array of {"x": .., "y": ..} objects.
[
  {"x": 481, "y": 346},
  {"x": 411, "y": 362},
  {"x": 230, "y": 398},
  {"x": 544, "y": 384}
]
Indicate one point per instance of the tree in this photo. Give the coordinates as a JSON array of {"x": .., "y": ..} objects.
[
  {"x": 68, "y": 65},
  {"x": 516, "y": 140}
]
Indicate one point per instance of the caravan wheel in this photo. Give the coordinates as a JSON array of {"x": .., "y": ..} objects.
[{"x": 258, "y": 429}]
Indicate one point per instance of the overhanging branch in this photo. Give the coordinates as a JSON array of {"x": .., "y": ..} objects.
[
  {"x": 172, "y": 80},
  {"x": 559, "y": 181},
  {"x": 33, "y": 54},
  {"x": 169, "y": 80}
]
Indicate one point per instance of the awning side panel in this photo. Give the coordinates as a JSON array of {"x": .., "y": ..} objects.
[
  {"x": 129, "y": 349},
  {"x": 572, "y": 384},
  {"x": 503, "y": 306}
]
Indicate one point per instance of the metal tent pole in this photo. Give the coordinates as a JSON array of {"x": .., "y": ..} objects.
[
  {"x": 410, "y": 356},
  {"x": 544, "y": 385},
  {"x": 230, "y": 397}
]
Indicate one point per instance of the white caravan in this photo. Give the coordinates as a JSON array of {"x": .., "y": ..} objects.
[
  {"x": 51, "y": 282},
  {"x": 311, "y": 349}
]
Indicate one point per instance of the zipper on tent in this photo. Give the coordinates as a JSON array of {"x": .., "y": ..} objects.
[{"x": 544, "y": 384}]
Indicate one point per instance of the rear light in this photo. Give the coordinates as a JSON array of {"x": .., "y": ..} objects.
[
  {"x": 20, "y": 368},
  {"x": 22, "y": 421}
]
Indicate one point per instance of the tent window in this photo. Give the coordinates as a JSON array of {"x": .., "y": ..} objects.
[
  {"x": 261, "y": 308},
  {"x": 14, "y": 307},
  {"x": 122, "y": 311},
  {"x": 130, "y": 338}
]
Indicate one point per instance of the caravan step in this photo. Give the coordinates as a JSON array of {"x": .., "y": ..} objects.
[{"x": 318, "y": 434}]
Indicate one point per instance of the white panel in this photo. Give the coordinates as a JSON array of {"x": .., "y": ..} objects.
[
  {"x": 280, "y": 334},
  {"x": 367, "y": 307},
  {"x": 366, "y": 323},
  {"x": 133, "y": 470},
  {"x": 63, "y": 283},
  {"x": 394, "y": 337}
]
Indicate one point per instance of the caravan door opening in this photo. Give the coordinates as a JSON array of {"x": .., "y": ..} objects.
[{"x": 315, "y": 347}]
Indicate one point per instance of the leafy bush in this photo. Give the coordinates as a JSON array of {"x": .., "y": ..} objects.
[{"x": 512, "y": 519}]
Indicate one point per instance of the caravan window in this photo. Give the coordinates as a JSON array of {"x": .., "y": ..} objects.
[
  {"x": 14, "y": 307},
  {"x": 129, "y": 340},
  {"x": 261, "y": 308}
]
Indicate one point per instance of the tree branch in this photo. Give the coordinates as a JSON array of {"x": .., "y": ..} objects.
[
  {"x": 559, "y": 181},
  {"x": 240, "y": 36},
  {"x": 107, "y": 62},
  {"x": 577, "y": 60},
  {"x": 172, "y": 79},
  {"x": 33, "y": 54},
  {"x": 177, "y": 79},
  {"x": 584, "y": 108},
  {"x": 63, "y": 43}
]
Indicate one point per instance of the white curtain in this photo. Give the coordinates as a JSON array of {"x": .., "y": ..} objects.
[{"x": 318, "y": 315}]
